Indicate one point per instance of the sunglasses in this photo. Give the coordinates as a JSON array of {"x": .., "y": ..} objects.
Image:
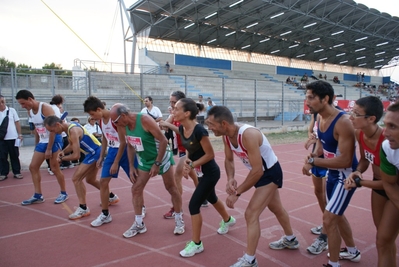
[{"x": 117, "y": 119}]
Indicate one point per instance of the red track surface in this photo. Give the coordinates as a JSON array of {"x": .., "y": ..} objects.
[{"x": 42, "y": 235}]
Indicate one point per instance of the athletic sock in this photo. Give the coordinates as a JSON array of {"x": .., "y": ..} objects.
[
  {"x": 83, "y": 206},
  {"x": 105, "y": 212},
  {"x": 228, "y": 219},
  {"x": 199, "y": 243},
  {"x": 334, "y": 264},
  {"x": 63, "y": 192},
  {"x": 290, "y": 237},
  {"x": 352, "y": 250},
  {"x": 249, "y": 258},
  {"x": 323, "y": 237},
  {"x": 139, "y": 219},
  {"x": 37, "y": 195},
  {"x": 111, "y": 195}
]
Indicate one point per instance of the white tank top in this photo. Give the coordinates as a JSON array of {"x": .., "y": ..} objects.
[
  {"x": 266, "y": 151},
  {"x": 38, "y": 119},
  {"x": 109, "y": 131}
]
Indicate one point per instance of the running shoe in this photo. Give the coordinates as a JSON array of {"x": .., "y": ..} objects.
[
  {"x": 242, "y": 262},
  {"x": 50, "y": 171},
  {"x": 224, "y": 226},
  {"x": 32, "y": 200},
  {"x": 205, "y": 203},
  {"x": 61, "y": 198},
  {"x": 101, "y": 219},
  {"x": 344, "y": 254},
  {"x": 134, "y": 230},
  {"x": 79, "y": 213},
  {"x": 318, "y": 246},
  {"x": 170, "y": 214},
  {"x": 18, "y": 176},
  {"x": 316, "y": 230},
  {"x": 179, "y": 227},
  {"x": 191, "y": 249},
  {"x": 284, "y": 243},
  {"x": 113, "y": 200}
]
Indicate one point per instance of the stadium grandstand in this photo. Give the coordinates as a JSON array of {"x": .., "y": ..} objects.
[{"x": 254, "y": 56}]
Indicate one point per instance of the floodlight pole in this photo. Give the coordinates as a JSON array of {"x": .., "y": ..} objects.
[{"x": 123, "y": 11}]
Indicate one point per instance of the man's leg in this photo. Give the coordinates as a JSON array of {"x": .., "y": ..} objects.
[
  {"x": 34, "y": 168},
  {"x": 281, "y": 214},
  {"x": 387, "y": 233},
  {"x": 319, "y": 184},
  {"x": 4, "y": 165},
  {"x": 330, "y": 222},
  {"x": 82, "y": 171},
  {"x": 170, "y": 185},
  {"x": 14, "y": 157},
  {"x": 55, "y": 168},
  {"x": 262, "y": 198}
]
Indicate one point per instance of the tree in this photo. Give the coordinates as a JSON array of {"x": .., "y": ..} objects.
[{"x": 6, "y": 65}]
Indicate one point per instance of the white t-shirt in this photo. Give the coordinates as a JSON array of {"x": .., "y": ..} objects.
[
  {"x": 93, "y": 128},
  {"x": 155, "y": 111},
  {"x": 12, "y": 133}
]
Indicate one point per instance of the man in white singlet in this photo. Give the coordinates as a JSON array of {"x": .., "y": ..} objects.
[{"x": 48, "y": 145}]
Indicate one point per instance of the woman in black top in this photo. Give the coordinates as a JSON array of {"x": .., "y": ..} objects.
[{"x": 201, "y": 157}]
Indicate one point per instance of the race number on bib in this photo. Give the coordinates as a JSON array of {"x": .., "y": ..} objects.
[
  {"x": 136, "y": 143},
  {"x": 42, "y": 131}
]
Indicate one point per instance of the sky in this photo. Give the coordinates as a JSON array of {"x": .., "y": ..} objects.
[{"x": 33, "y": 35}]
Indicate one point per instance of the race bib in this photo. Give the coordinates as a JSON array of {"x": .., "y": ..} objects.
[
  {"x": 242, "y": 156},
  {"x": 328, "y": 155},
  {"x": 136, "y": 143},
  {"x": 42, "y": 132}
]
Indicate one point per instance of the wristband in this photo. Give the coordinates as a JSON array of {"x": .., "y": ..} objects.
[
  {"x": 357, "y": 181},
  {"x": 191, "y": 165}
]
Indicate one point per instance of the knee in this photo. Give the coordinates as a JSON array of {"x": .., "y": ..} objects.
[
  {"x": 384, "y": 241},
  {"x": 194, "y": 207}
]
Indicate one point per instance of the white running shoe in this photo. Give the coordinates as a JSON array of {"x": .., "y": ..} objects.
[
  {"x": 79, "y": 213},
  {"x": 224, "y": 226},
  {"x": 191, "y": 249},
  {"x": 134, "y": 230},
  {"x": 179, "y": 227},
  {"x": 101, "y": 219}
]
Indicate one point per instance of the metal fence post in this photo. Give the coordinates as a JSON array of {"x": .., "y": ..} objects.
[
  {"x": 282, "y": 102},
  {"x": 223, "y": 91},
  {"x": 53, "y": 82},
  {"x": 256, "y": 103}
]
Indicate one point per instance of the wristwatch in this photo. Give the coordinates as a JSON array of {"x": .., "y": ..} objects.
[
  {"x": 357, "y": 181},
  {"x": 311, "y": 161},
  {"x": 157, "y": 163}
]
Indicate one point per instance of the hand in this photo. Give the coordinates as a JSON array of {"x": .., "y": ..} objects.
[
  {"x": 306, "y": 169},
  {"x": 311, "y": 140},
  {"x": 114, "y": 168},
  {"x": 48, "y": 154},
  {"x": 187, "y": 168},
  {"x": 154, "y": 170},
  {"x": 231, "y": 200},
  {"x": 133, "y": 174},
  {"x": 100, "y": 162},
  {"x": 231, "y": 186},
  {"x": 350, "y": 180}
]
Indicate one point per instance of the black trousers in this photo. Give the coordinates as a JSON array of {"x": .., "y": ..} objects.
[{"x": 7, "y": 147}]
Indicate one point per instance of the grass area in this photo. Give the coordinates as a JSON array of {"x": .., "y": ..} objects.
[{"x": 287, "y": 137}]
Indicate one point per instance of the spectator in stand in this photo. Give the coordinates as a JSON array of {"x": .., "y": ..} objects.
[
  {"x": 93, "y": 128},
  {"x": 151, "y": 110},
  {"x": 167, "y": 67},
  {"x": 9, "y": 144},
  {"x": 325, "y": 77},
  {"x": 201, "y": 100},
  {"x": 288, "y": 81},
  {"x": 210, "y": 104},
  {"x": 336, "y": 80}
]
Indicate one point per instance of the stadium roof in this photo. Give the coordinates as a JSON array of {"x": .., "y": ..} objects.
[{"x": 331, "y": 31}]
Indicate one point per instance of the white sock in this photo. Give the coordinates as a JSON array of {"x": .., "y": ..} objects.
[
  {"x": 178, "y": 215},
  {"x": 139, "y": 219},
  {"x": 249, "y": 258},
  {"x": 334, "y": 264},
  {"x": 290, "y": 237},
  {"x": 352, "y": 250}
]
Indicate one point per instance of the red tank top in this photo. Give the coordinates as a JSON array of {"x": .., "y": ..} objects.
[
  {"x": 373, "y": 156},
  {"x": 180, "y": 146}
]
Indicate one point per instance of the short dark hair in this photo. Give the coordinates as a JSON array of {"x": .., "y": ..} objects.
[
  {"x": 24, "y": 94},
  {"x": 372, "y": 106},
  {"x": 56, "y": 100},
  {"x": 221, "y": 113},
  {"x": 149, "y": 98},
  {"x": 190, "y": 105},
  {"x": 92, "y": 103},
  {"x": 75, "y": 119},
  {"x": 178, "y": 95},
  {"x": 51, "y": 120},
  {"x": 394, "y": 107},
  {"x": 322, "y": 89}
]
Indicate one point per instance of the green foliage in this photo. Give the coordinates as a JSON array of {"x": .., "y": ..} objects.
[{"x": 6, "y": 65}]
